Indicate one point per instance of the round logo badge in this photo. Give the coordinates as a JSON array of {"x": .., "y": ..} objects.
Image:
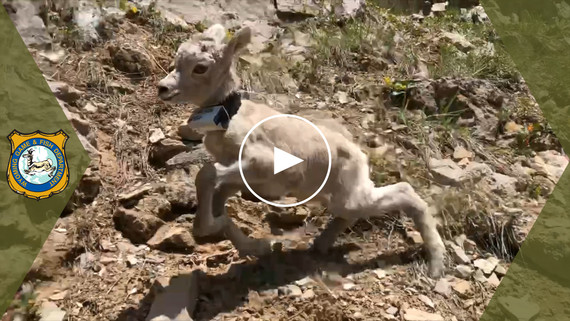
[{"x": 38, "y": 165}]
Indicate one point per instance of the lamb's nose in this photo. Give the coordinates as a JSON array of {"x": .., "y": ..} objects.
[{"x": 162, "y": 90}]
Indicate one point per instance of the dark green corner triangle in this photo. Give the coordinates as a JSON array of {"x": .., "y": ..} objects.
[
  {"x": 27, "y": 105},
  {"x": 537, "y": 36}
]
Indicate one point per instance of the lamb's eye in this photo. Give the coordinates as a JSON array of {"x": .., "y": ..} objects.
[{"x": 200, "y": 69}]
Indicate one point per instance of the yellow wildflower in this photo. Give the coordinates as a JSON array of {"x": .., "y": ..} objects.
[{"x": 229, "y": 34}]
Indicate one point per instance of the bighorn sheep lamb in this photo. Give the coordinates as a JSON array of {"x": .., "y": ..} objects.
[{"x": 204, "y": 75}]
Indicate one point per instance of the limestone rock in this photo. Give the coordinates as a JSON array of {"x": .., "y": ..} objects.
[
  {"x": 307, "y": 295},
  {"x": 88, "y": 20},
  {"x": 157, "y": 205},
  {"x": 479, "y": 276},
  {"x": 197, "y": 156},
  {"x": 415, "y": 237},
  {"x": 132, "y": 196},
  {"x": 551, "y": 163},
  {"x": 493, "y": 280},
  {"x": 136, "y": 226},
  {"x": 462, "y": 287},
  {"x": 486, "y": 265},
  {"x": 426, "y": 300},
  {"x": 392, "y": 310},
  {"x": 305, "y": 281},
  {"x": 511, "y": 127},
  {"x": 286, "y": 217},
  {"x": 478, "y": 15},
  {"x": 291, "y": 290},
  {"x": 58, "y": 249},
  {"x": 90, "y": 107},
  {"x": 155, "y": 135},
  {"x": 500, "y": 270},
  {"x": 29, "y": 25},
  {"x": 463, "y": 271},
  {"x": 503, "y": 184},
  {"x": 349, "y": 8},
  {"x": 474, "y": 171},
  {"x": 341, "y": 97},
  {"x": 460, "y": 153},
  {"x": 180, "y": 190},
  {"x": 65, "y": 92},
  {"x": 171, "y": 238},
  {"x": 348, "y": 286},
  {"x": 459, "y": 41},
  {"x": 174, "y": 19},
  {"x": 175, "y": 299},
  {"x": 297, "y": 8},
  {"x": 443, "y": 287},
  {"x": 418, "y": 315},
  {"x": 438, "y": 8},
  {"x": 447, "y": 172},
  {"x": 131, "y": 59},
  {"x": 49, "y": 311},
  {"x": 459, "y": 256},
  {"x": 165, "y": 150}
]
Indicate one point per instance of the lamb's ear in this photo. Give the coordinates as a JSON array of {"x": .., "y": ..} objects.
[{"x": 240, "y": 40}]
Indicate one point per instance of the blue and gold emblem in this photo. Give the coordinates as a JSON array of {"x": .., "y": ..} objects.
[{"x": 37, "y": 167}]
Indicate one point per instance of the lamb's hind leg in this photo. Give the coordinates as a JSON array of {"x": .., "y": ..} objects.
[
  {"x": 401, "y": 196},
  {"x": 328, "y": 236},
  {"x": 212, "y": 193}
]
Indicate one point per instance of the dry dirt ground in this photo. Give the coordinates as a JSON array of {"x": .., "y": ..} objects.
[{"x": 433, "y": 100}]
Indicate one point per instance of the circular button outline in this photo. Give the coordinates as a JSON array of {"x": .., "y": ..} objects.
[{"x": 273, "y": 203}]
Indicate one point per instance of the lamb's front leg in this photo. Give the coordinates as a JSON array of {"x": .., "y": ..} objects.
[
  {"x": 205, "y": 223},
  {"x": 214, "y": 183}
]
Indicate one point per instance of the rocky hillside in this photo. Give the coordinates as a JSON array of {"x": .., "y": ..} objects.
[{"x": 428, "y": 92}]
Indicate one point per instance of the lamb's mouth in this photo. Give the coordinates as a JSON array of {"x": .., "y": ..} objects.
[{"x": 169, "y": 98}]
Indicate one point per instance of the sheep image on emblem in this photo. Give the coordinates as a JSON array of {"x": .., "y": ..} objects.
[{"x": 38, "y": 167}]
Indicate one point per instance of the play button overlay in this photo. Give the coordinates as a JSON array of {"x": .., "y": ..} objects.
[
  {"x": 283, "y": 160},
  {"x": 299, "y": 154}
]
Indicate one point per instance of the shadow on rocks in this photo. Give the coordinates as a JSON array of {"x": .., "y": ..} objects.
[{"x": 198, "y": 296}]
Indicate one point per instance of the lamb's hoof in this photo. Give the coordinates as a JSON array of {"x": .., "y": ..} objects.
[
  {"x": 204, "y": 232},
  {"x": 255, "y": 247},
  {"x": 436, "y": 269}
]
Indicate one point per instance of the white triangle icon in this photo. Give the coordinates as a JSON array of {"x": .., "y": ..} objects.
[{"x": 283, "y": 160}]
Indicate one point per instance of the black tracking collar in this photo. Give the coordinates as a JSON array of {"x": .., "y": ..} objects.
[{"x": 231, "y": 105}]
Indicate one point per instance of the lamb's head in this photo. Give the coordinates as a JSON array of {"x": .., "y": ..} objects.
[{"x": 203, "y": 71}]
